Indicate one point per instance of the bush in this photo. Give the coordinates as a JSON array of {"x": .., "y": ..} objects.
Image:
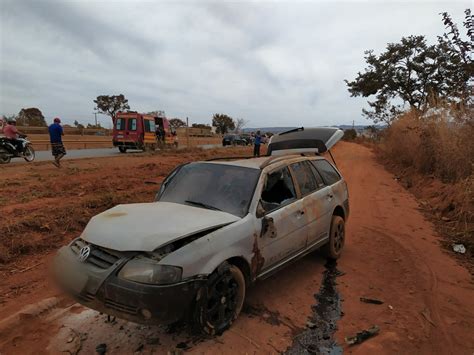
[
  {"x": 437, "y": 144},
  {"x": 349, "y": 135}
]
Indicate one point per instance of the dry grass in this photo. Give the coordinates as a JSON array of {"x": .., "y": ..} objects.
[
  {"x": 434, "y": 157},
  {"x": 433, "y": 145}
]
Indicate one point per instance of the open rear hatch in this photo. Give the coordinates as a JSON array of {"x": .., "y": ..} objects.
[{"x": 304, "y": 140}]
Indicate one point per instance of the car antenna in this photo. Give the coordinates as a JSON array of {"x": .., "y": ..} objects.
[{"x": 292, "y": 130}]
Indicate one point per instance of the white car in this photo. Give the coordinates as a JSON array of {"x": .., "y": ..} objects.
[{"x": 216, "y": 228}]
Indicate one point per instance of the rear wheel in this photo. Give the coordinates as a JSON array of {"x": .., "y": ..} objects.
[
  {"x": 337, "y": 236},
  {"x": 220, "y": 302},
  {"x": 4, "y": 157},
  {"x": 122, "y": 149},
  {"x": 29, "y": 154}
]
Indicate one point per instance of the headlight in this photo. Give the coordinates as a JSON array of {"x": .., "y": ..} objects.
[{"x": 147, "y": 271}]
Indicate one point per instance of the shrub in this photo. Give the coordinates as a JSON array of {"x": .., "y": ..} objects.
[{"x": 438, "y": 144}]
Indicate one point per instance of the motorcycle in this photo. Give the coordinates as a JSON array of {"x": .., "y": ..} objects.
[{"x": 8, "y": 150}]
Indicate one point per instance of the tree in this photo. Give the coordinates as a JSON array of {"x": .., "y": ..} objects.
[
  {"x": 78, "y": 125},
  {"x": 110, "y": 105},
  {"x": 200, "y": 125},
  {"x": 176, "y": 123},
  {"x": 223, "y": 123},
  {"x": 96, "y": 126},
  {"x": 31, "y": 117},
  {"x": 416, "y": 73},
  {"x": 239, "y": 124},
  {"x": 157, "y": 113},
  {"x": 349, "y": 134}
]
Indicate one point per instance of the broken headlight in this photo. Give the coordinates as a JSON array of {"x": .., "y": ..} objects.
[{"x": 148, "y": 271}]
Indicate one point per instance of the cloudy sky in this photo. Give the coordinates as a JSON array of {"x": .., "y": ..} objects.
[{"x": 271, "y": 63}]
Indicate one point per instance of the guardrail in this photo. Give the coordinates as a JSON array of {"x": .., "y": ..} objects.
[{"x": 76, "y": 143}]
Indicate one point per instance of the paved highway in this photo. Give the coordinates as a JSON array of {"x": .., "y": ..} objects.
[{"x": 93, "y": 153}]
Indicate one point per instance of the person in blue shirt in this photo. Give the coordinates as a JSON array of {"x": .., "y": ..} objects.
[
  {"x": 256, "y": 144},
  {"x": 56, "y": 138}
]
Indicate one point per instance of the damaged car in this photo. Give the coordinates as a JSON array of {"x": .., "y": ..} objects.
[{"x": 215, "y": 228}]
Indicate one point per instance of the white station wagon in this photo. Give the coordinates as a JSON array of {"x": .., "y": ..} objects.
[{"x": 215, "y": 228}]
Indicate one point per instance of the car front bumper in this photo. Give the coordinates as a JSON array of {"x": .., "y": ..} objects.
[{"x": 105, "y": 292}]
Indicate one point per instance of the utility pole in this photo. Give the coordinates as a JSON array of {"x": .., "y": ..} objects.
[
  {"x": 187, "y": 132},
  {"x": 352, "y": 124},
  {"x": 95, "y": 115}
]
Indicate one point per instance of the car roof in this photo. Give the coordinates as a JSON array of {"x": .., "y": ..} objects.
[{"x": 262, "y": 162}]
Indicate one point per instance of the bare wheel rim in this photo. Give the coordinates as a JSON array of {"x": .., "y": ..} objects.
[
  {"x": 224, "y": 301},
  {"x": 339, "y": 237}
]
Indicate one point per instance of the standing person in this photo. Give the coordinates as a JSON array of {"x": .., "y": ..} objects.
[
  {"x": 256, "y": 144},
  {"x": 55, "y": 137}
]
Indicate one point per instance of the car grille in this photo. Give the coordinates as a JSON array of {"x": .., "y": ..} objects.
[
  {"x": 86, "y": 297},
  {"x": 99, "y": 257},
  {"x": 120, "y": 307}
]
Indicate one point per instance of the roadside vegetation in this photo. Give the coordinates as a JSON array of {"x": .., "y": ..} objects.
[{"x": 424, "y": 98}]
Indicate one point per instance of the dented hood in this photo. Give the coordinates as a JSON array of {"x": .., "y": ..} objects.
[{"x": 146, "y": 226}]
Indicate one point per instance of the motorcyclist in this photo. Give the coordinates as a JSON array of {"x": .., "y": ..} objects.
[{"x": 11, "y": 132}]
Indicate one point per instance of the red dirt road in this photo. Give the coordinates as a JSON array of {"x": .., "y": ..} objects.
[{"x": 392, "y": 253}]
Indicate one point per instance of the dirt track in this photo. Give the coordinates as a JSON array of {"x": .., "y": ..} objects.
[{"x": 392, "y": 254}]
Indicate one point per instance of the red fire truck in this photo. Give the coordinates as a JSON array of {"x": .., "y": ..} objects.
[{"x": 133, "y": 130}]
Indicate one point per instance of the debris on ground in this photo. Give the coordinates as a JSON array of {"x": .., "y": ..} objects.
[
  {"x": 370, "y": 300},
  {"x": 363, "y": 335},
  {"x": 459, "y": 248},
  {"x": 101, "y": 348},
  {"x": 74, "y": 342},
  {"x": 318, "y": 337},
  {"x": 427, "y": 315}
]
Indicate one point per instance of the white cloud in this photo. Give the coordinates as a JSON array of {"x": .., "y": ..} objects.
[{"x": 273, "y": 63}]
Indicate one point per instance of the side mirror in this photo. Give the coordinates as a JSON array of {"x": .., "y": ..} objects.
[{"x": 260, "y": 210}]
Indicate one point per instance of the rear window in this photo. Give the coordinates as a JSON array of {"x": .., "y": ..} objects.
[
  {"x": 120, "y": 124},
  {"x": 132, "y": 124},
  {"x": 329, "y": 174},
  {"x": 304, "y": 177}
]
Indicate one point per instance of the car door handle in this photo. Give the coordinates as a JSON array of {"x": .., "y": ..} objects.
[
  {"x": 330, "y": 195},
  {"x": 299, "y": 213}
]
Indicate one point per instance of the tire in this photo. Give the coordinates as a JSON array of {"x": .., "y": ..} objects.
[
  {"x": 337, "y": 236},
  {"x": 29, "y": 154},
  {"x": 4, "y": 159},
  {"x": 122, "y": 149},
  {"x": 219, "y": 303}
]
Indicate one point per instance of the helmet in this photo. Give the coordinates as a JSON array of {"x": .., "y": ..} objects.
[{"x": 57, "y": 120}]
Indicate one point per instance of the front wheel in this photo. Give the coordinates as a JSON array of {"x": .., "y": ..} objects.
[
  {"x": 337, "y": 236},
  {"x": 29, "y": 153},
  {"x": 220, "y": 302},
  {"x": 122, "y": 149}
]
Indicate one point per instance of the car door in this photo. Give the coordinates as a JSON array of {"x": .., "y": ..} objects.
[
  {"x": 315, "y": 203},
  {"x": 283, "y": 232},
  {"x": 331, "y": 193},
  {"x": 322, "y": 203}
]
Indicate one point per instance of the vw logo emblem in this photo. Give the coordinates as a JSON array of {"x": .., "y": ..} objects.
[{"x": 84, "y": 253}]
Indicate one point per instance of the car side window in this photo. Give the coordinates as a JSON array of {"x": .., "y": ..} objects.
[
  {"x": 329, "y": 174},
  {"x": 304, "y": 177},
  {"x": 317, "y": 176},
  {"x": 278, "y": 190}
]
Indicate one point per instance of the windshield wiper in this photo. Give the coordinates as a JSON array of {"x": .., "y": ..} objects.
[{"x": 202, "y": 204}]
